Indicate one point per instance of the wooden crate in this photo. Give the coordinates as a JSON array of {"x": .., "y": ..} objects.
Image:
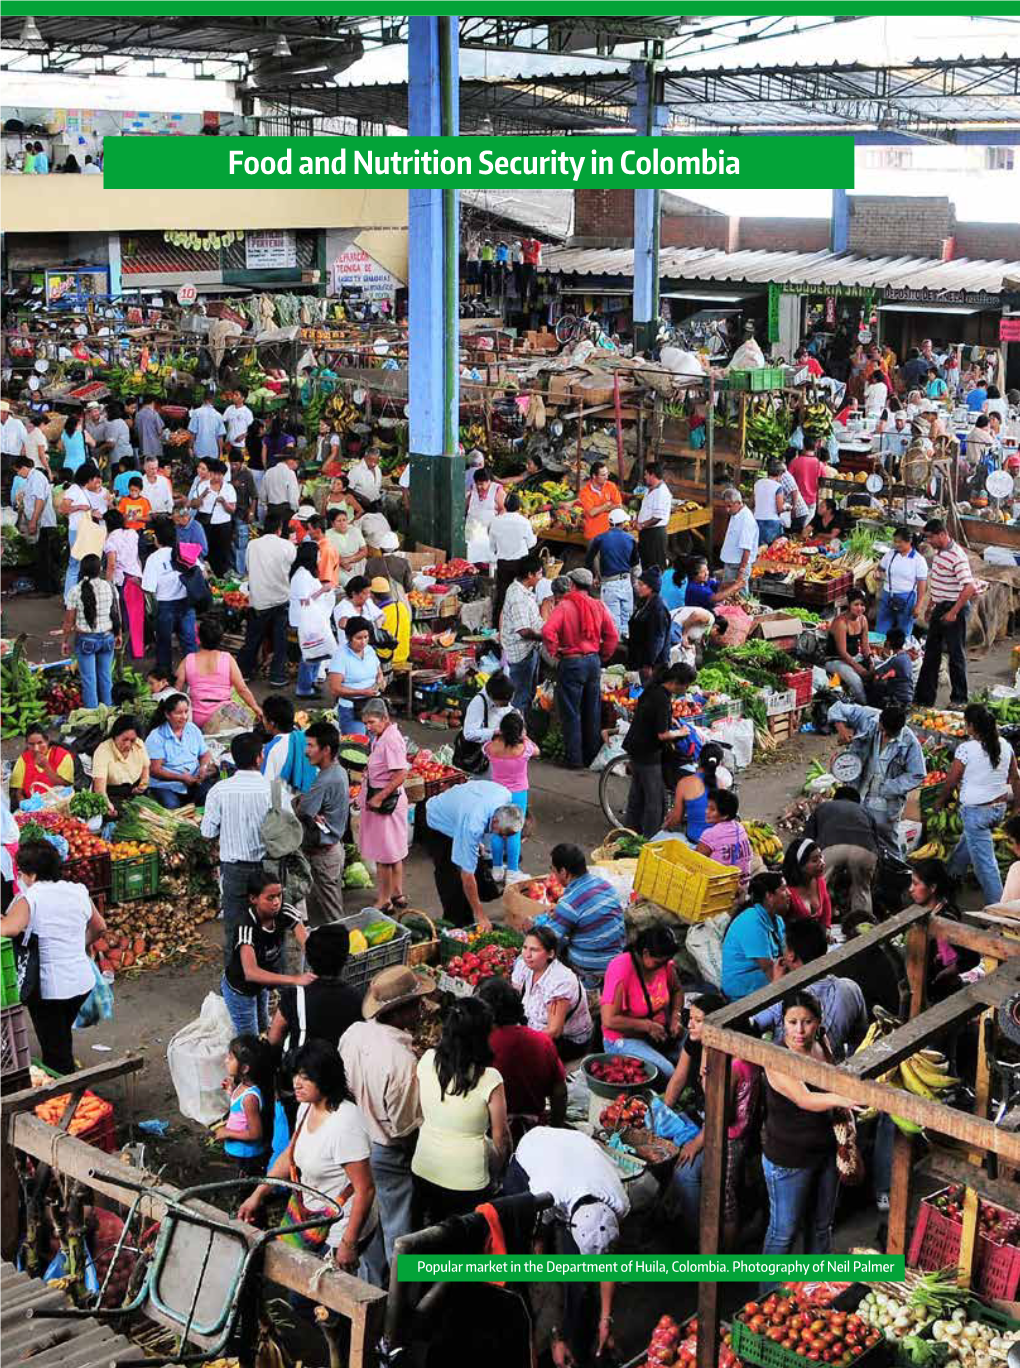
[{"x": 784, "y": 725}]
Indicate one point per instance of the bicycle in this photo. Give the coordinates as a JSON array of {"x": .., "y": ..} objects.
[
  {"x": 574, "y": 328},
  {"x": 614, "y": 785}
]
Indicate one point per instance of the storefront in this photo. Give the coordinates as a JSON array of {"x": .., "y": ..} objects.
[
  {"x": 822, "y": 312},
  {"x": 963, "y": 318}
]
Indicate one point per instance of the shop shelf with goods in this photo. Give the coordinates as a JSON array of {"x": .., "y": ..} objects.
[{"x": 862, "y": 1080}]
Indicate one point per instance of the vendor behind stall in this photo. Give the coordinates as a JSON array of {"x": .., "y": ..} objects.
[
  {"x": 41, "y": 766},
  {"x": 120, "y": 765},
  {"x": 828, "y": 525},
  {"x": 847, "y": 647}
]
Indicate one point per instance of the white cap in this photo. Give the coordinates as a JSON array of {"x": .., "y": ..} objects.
[
  {"x": 618, "y": 516},
  {"x": 595, "y": 1228},
  {"x": 305, "y": 512},
  {"x": 389, "y": 542}
]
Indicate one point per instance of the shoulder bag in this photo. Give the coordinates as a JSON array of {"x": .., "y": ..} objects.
[
  {"x": 468, "y": 755},
  {"x": 298, "y": 1213},
  {"x": 849, "y": 1160}
]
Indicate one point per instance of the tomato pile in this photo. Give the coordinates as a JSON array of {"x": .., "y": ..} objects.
[
  {"x": 821, "y": 1334},
  {"x": 547, "y": 890},
  {"x": 427, "y": 768},
  {"x": 619, "y": 1070},
  {"x": 625, "y": 1111},
  {"x": 490, "y": 960},
  {"x": 678, "y": 1344},
  {"x": 80, "y": 841},
  {"x": 453, "y": 569},
  {"x": 933, "y": 777},
  {"x": 994, "y": 1222}
]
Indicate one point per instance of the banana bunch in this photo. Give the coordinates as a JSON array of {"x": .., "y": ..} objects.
[
  {"x": 341, "y": 412},
  {"x": 766, "y": 431},
  {"x": 945, "y": 826},
  {"x": 21, "y": 690},
  {"x": 221, "y": 1363},
  {"x": 925, "y": 1074},
  {"x": 817, "y": 421},
  {"x": 933, "y": 850},
  {"x": 474, "y": 435},
  {"x": 764, "y": 841}
]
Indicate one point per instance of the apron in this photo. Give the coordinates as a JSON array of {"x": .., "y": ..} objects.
[{"x": 36, "y": 780}]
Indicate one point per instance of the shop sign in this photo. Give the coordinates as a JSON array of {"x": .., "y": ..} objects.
[
  {"x": 273, "y": 250},
  {"x": 826, "y": 291},
  {"x": 354, "y": 269},
  {"x": 187, "y": 294},
  {"x": 830, "y": 311},
  {"x": 1009, "y": 329},
  {"x": 975, "y": 299}
]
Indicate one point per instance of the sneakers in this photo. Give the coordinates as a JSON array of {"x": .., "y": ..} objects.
[
  {"x": 498, "y": 872},
  {"x": 882, "y": 1201},
  {"x": 517, "y": 876}
]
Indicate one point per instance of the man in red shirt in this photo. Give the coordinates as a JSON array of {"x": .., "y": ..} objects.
[
  {"x": 531, "y": 252},
  {"x": 814, "y": 366},
  {"x": 579, "y": 635},
  {"x": 806, "y": 470}
]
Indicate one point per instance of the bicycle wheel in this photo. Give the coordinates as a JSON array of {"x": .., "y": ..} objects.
[
  {"x": 566, "y": 328},
  {"x": 614, "y": 789}
]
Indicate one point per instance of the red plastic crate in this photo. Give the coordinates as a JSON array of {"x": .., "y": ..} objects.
[
  {"x": 100, "y": 1132},
  {"x": 94, "y": 871},
  {"x": 800, "y": 682},
  {"x": 936, "y": 1244},
  {"x": 828, "y": 592},
  {"x": 441, "y": 658}
]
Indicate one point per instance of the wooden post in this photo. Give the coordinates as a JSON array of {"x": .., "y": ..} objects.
[
  {"x": 580, "y": 444},
  {"x": 983, "y": 1075},
  {"x": 713, "y": 1183},
  {"x": 917, "y": 966},
  {"x": 899, "y": 1193},
  {"x": 619, "y": 423},
  {"x": 969, "y": 1237}
]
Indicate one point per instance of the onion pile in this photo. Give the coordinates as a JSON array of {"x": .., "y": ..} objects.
[
  {"x": 973, "y": 1344},
  {"x": 892, "y": 1315}
]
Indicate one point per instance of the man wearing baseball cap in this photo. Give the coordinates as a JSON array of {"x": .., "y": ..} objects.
[
  {"x": 617, "y": 554},
  {"x": 589, "y": 1202}
]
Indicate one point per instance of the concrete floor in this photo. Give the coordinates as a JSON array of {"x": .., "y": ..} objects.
[{"x": 152, "y": 1005}]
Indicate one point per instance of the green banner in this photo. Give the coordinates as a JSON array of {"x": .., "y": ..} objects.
[
  {"x": 200, "y": 163},
  {"x": 572, "y": 1268}
]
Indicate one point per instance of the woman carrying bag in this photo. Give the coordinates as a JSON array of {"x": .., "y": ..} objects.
[{"x": 93, "y": 613}]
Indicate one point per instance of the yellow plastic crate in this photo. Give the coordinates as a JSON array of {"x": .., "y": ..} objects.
[{"x": 692, "y": 886}]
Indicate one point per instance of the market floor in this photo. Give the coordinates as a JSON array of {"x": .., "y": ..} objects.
[{"x": 152, "y": 1005}]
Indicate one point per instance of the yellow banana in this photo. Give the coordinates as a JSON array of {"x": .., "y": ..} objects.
[
  {"x": 893, "y": 1078},
  {"x": 914, "y": 1082},
  {"x": 939, "y": 1079},
  {"x": 935, "y": 1057},
  {"x": 907, "y": 1127},
  {"x": 869, "y": 1039}
]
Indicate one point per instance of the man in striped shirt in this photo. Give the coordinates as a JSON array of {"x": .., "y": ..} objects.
[
  {"x": 951, "y": 587},
  {"x": 588, "y": 917},
  {"x": 234, "y": 811}
]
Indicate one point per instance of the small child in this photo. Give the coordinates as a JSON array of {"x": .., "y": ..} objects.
[
  {"x": 135, "y": 509},
  {"x": 126, "y": 470},
  {"x": 508, "y": 754},
  {"x": 893, "y": 681},
  {"x": 160, "y": 683},
  {"x": 248, "y": 1131}
]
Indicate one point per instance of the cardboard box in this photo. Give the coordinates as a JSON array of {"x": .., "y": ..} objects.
[
  {"x": 779, "y": 628},
  {"x": 435, "y": 555},
  {"x": 559, "y": 387}
]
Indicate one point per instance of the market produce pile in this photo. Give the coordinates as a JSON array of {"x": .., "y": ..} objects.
[
  {"x": 23, "y": 691},
  {"x": 672, "y": 1343},
  {"x": 925, "y": 1074},
  {"x": 826, "y": 1334},
  {"x": 150, "y": 932}
]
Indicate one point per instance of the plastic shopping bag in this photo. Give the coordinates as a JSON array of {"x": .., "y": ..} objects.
[
  {"x": 196, "y": 1057},
  {"x": 704, "y": 945},
  {"x": 315, "y": 631},
  {"x": 98, "y": 1006}
]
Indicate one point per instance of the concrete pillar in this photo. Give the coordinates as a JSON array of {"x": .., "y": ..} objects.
[
  {"x": 116, "y": 283},
  {"x": 840, "y": 221},
  {"x": 437, "y": 471},
  {"x": 649, "y": 116}
]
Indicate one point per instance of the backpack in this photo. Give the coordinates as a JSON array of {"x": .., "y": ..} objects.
[
  {"x": 282, "y": 835},
  {"x": 195, "y": 585}
]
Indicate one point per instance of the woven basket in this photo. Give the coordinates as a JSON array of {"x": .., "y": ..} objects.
[
  {"x": 603, "y": 854},
  {"x": 550, "y": 565},
  {"x": 420, "y": 952}
]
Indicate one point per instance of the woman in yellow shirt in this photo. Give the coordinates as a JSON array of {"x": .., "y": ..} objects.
[
  {"x": 462, "y": 1101},
  {"x": 120, "y": 766}
]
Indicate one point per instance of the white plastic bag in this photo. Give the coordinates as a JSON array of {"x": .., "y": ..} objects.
[
  {"x": 196, "y": 1056},
  {"x": 738, "y": 734},
  {"x": 611, "y": 749},
  {"x": 704, "y": 945},
  {"x": 315, "y": 630}
]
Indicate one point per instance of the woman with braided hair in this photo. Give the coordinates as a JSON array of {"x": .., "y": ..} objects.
[{"x": 93, "y": 614}]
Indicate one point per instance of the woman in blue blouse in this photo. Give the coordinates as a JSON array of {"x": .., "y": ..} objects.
[
  {"x": 354, "y": 675},
  {"x": 73, "y": 440},
  {"x": 181, "y": 768}
]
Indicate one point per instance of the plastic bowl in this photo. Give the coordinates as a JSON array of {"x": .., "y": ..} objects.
[{"x": 611, "y": 1090}]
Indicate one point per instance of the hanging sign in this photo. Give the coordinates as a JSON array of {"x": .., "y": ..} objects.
[
  {"x": 1009, "y": 329},
  {"x": 269, "y": 251},
  {"x": 186, "y": 294},
  {"x": 354, "y": 269}
]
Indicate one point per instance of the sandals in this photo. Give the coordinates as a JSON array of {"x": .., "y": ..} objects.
[{"x": 399, "y": 903}]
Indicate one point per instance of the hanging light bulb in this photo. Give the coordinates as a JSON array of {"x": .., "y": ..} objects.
[
  {"x": 30, "y": 33},
  {"x": 281, "y": 48}
]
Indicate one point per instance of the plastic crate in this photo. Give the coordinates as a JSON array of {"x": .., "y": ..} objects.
[
  {"x": 94, "y": 871},
  {"x": 690, "y": 885},
  {"x": 137, "y": 877},
  {"x": 784, "y": 702},
  {"x": 359, "y": 969},
  {"x": 801, "y": 683},
  {"x": 762, "y": 378},
  {"x": 14, "y": 1052},
  {"x": 774, "y": 586},
  {"x": 419, "y": 791},
  {"x": 936, "y": 1244},
  {"x": 100, "y": 1131},
  {"x": 450, "y": 947},
  {"x": 9, "y": 995},
  {"x": 765, "y": 1353},
  {"x": 445, "y": 659},
  {"x": 819, "y": 594}
]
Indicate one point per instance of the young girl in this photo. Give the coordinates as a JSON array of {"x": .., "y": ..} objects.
[
  {"x": 508, "y": 754},
  {"x": 247, "y": 1133}
]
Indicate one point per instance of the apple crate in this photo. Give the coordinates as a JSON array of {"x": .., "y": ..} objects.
[
  {"x": 420, "y": 790},
  {"x": 9, "y": 995},
  {"x": 94, "y": 871},
  {"x": 784, "y": 725},
  {"x": 136, "y": 877},
  {"x": 785, "y": 702},
  {"x": 818, "y": 594},
  {"x": 800, "y": 681},
  {"x": 936, "y": 1244},
  {"x": 641, "y": 1359},
  {"x": 756, "y": 1349}
]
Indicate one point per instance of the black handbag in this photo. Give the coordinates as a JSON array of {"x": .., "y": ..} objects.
[
  {"x": 468, "y": 755},
  {"x": 488, "y": 889},
  {"x": 26, "y": 963},
  {"x": 389, "y": 803}
]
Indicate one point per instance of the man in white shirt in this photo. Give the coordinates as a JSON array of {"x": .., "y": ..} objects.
[
  {"x": 237, "y": 419},
  {"x": 876, "y": 394},
  {"x": 280, "y": 488},
  {"x": 157, "y": 488},
  {"x": 13, "y": 437},
  {"x": 39, "y": 521},
  {"x": 269, "y": 559},
  {"x": 90, "y": 168},
  {"x": 207, "y": 430},
  {"x": 511, "y": 537},
  {"x": 740, "y": 545},
  {"x": 219, "y": 500},
  {"x": 38, "y": 447},
  {"x": 87, "y": 498},
  {"x": 174, "y": 613},
  {"x": 365, "y": 481},
  {"x": 653, "y": 520},
  {"x": 520, "y": 632}
]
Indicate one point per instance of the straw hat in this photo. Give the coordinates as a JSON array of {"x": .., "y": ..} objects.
[
  {"x": 380, "y": 585},
  {"x": 392, "y": 988}
]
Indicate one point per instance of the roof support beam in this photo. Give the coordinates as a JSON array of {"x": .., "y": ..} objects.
[{"x": 649, "y": 117}]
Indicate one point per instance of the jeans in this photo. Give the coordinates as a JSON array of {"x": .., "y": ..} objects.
[
  {"x": 882, "y": 1158},
  {"x": 646, "y": 802},
  {"x": 896, "y": 610},
  {"x": 579, "y": 702},
  {"x": 523, "y": 676},
  {"x": 769, "y": 529},
  {"x": 851, "y": 679},
  {"x": 307, "y": 678},
  {"x": 348, "y": 724},
  {"x": 977, "y": 848},
  {"x": 512, "y": 844},
  {"x": 951, "y": 637},
  {"x": 174, "y": 615},
  {"x": 234, "y": 876},
  {"x": 801, "y": 1198},
  {"x": 248, "y": 1015},
  {"x": 391, "y": 1170},
  {"x": 242, "y": 532},
  {"x": 164, "y": 793},
  {"x": 71, "y": 575},
  {"x": 687, "y": 1190},
  {"x": 640, "y": 1047},
  {"x": 618, "y": 596},
  {"x": 260, "y": 621},
  {"x": 94, "y": 652}
]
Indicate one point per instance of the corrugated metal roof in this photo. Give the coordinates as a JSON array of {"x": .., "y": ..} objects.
[
  {"x": 52, "y": 1343},
  {"x": 790, "y": 268}
]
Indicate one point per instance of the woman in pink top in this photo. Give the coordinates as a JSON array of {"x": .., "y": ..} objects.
[
  {"x": 508, "y": 754},
  {"x": 642, "y": 1000},
  {"x": 124, "y": 571},
  {"x": 383, "y": 835},
  {"x": 211, "y": 676},
  {"x": 724, "y": 839}
]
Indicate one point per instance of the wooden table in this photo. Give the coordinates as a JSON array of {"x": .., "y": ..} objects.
[{"x": 682, "y": 520}]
